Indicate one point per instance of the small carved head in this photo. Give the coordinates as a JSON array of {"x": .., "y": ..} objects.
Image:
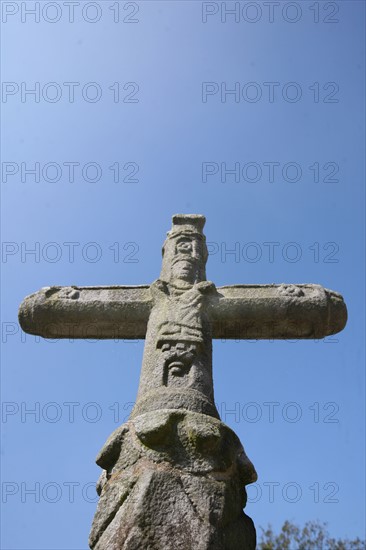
[
  {"x": 184, "y": 251},
  {"x": 178, "y": 359}
]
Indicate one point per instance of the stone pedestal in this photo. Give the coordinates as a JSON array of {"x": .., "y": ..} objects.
[{"x": 173, "y": 480}]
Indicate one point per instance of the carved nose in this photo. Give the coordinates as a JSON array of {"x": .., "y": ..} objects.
[
  {"x": 177, "y": 367},
  {"x": 180, "y": 356}
]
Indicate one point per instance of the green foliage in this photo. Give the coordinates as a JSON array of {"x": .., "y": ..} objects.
[{"x": 313, "y": 536}]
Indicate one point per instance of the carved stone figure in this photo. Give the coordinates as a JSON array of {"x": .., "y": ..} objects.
[{"x": 174, "y": 475}]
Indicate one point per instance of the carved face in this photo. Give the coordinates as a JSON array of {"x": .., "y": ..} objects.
[
  {"x": 186, "y": 260},
  {"x": 184, "y": 257},
  {"x": 178, "y": 359}
]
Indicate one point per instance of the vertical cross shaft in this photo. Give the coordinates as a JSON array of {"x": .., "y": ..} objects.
[{"x": 175, "y": 475}]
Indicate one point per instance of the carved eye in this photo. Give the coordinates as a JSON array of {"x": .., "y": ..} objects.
[{"x": 184, "y": 246}]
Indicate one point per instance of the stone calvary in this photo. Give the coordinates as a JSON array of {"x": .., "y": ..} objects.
[{"x": 174, "y": 475}]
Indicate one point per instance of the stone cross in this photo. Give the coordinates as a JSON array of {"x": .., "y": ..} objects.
[{"x": 174, "y": 475}]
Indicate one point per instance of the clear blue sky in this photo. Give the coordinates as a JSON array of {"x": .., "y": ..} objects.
[{"x": 139, "y": 103}]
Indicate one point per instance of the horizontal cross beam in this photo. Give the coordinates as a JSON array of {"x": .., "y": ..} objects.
[{"x": 235, "y": 312}]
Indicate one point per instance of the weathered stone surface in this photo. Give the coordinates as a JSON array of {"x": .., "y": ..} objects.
[
  {"x": 235, "y": 312},
  {"x": 174, "y": 479},
  {"x": 174, "y": 475},
  {"x": 87, "y": 312}
]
